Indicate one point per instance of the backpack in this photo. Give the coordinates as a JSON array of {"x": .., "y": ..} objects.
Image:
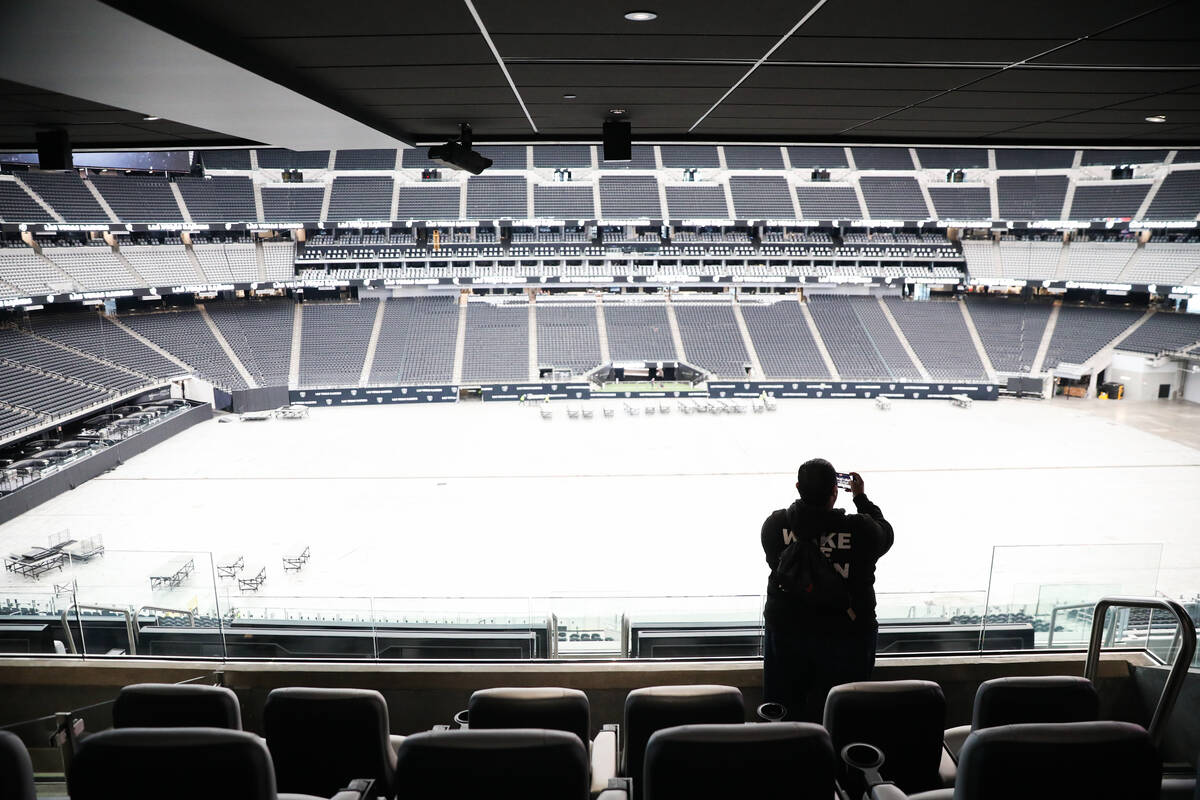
[{"x": 808, "y": 577}]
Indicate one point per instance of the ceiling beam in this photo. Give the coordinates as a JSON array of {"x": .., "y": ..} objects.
[{"x": 86, "y": 49}]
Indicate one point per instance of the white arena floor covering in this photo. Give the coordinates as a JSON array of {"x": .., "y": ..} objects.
[{"x": 490, "y": 500}]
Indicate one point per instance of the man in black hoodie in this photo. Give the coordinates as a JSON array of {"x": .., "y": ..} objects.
[{"x": 809, "y": 650}]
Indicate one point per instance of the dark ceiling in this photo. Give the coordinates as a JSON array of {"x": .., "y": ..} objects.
[{"x": 1022, "y": 72}]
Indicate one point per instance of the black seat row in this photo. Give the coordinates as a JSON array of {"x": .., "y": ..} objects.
[{"x": 1029, "y": 738}]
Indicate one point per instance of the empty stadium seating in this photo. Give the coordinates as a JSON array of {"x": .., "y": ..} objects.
[
  {"x": 638, "y": 332},
  {"x": 893, "y": 198},
  {"x": 783, "y": 342},
  {"x": 963, "y": 202},
  {"x": 939, "y": 337},
  {"x": 94, "y": 267},
  {"x": 496, "y": 196},
  {"x": 1097, "y": 261},
  {"x": 226, "y": 198},
  {"x": 260, "y": 333},
  {"x": 139, "y": 199},
  {"x": 162, "y": 264},
  {"x": 554, "y": 156},
  {"x": 497, "y": 343},
  {"x": 278, "y": 158},
  {"x": 859, "y": 338},
  {"x": 1081, "y": 332},
  {"x": 98, "y": 336},
  {"x": 364, "y": 159},
  {"x": 563, "y": 201},
  {"x": 1107, "y": 200},
  {"x": 292, "y": 202},
  {"x": 187, "y": 336},
  {"x": 686, "y": 155},
  {"x": 1031, "y": 196},
  {"x": 1178, "y": 197},
  {"x": 333, "y": 344},
  {"x": 698, "y": 201},
  {"x": 761, "y": 197},
  {"x": 67, "y": 195},
  {"x": 16, "y": 205},
  {"x": 1011, "y": 332},
  {"x": 416, "y": 342},
  {"x": 629, "y": 196},
  {"x": 752, "y": 157},
  {"x": 1154, "y": 262},
  {"x": 360, "y": 197},
  {"x": 828, "y": 201},
  {"x": 428, "y": 202},
  {"x": 712, "y": 339},
  {"x": 1164, "y": 332},
  {"x": 567, "y": 336}
]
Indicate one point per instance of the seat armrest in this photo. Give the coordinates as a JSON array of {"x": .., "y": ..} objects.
[
  {"x": 948, "y": 769},
  {"x": 887, "y": 791},
  {"x": 955, "y": 738},
  {"x": 604, "y": 760},
  {"x": 359, "y": 789},
  {"x": 395, "y": 742},
  {"x": 613, "y": 794}
]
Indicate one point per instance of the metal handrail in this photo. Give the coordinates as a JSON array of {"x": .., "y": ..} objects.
[
  {"x": 1183, "y": 656},
  {"x": 129, "y": 628}
]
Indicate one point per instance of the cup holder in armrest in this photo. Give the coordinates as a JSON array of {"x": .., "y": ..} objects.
[
  {"x": 862, "y": 756},
  {"x": 772, "y": 712},
  {"x": 462, "y": 718}
]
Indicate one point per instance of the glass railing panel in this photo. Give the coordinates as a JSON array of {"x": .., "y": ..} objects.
[
  {"x": 1043, "y": 595},
  {"x": 147, "y": 603},
  {"x": 929, "y": 622}
]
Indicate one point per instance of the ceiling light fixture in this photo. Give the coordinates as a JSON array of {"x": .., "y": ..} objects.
[
  {"x": 151, "y": 119},
  {"x": 616, "y": 112},
  {"x": 569, "y": 97},
  {"x": 1156, "y": 118},
  {"x": 640, "y": 16}
]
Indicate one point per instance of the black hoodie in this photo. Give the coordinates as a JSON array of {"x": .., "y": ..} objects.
[{"x": 853, "y": 542}]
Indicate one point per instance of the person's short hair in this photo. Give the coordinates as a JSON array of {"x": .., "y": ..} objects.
[{"x": 816, "y": 479}]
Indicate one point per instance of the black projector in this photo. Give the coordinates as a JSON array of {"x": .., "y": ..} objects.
[{"x": 459, "y": 156}]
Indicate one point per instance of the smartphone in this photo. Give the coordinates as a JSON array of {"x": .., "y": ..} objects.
[{"x": 843, "y": 480}]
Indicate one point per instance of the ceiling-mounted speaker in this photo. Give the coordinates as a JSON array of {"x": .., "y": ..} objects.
[
  {"x": 618, "y": 141},
  {"x": 54, "y": 150}
]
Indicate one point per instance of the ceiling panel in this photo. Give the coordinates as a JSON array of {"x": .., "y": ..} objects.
[{"x": 425, "y": 69}]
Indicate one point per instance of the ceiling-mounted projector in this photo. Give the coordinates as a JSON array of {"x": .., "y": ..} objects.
[{"x": 459, "y": 155}]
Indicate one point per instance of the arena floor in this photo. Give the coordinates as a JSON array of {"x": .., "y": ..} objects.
[{"x": 477, "y": 501}]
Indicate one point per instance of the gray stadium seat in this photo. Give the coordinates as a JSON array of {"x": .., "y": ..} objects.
[
  {"x": 1028, "y": 700},
  {"x": 529, "y": 763},
  {"x": 179, "y": 763},
  {"x": 16, "y": 769},
  {"x": 904, "y": 719},
  {"x": 657, "y": 707},
  {"x": 1094, "y": 760},
  {"x": 167, "y": 705},
  {"x": 699, "y": 762},
  {"x": 549, "y": 708},
  {"x": 320, "y": 739}
]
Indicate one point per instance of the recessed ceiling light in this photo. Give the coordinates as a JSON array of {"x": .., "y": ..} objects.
[
  {"x": 1156, "y": 118},
  {"x": 640, "y": 16},
  {"x": 569, "y": 97},
  {"x": 151, "y": 119},
  {"x": 616, "y": 112}
]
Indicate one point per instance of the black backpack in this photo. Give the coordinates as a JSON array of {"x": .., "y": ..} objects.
[{"x": 808, "y": 577}]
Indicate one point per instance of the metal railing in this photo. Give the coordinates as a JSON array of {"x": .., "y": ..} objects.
[{"x": 1183, "y": 656}]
